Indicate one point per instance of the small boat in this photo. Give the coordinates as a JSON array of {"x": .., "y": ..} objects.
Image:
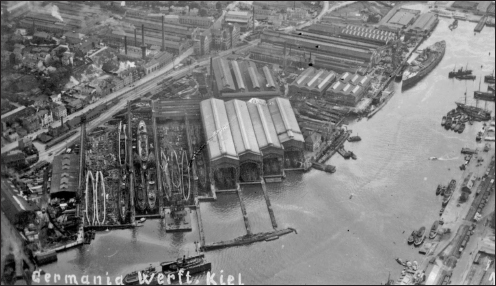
[
  {"x": 432, "y": 158},
  {"x": 272, "y": 238},
  {"x": 461, "y": 128},
  {"x": 438, "y": 190},
  {"x": 354, "y": 139},
  {"x": 447, "y": 125},
  {"x": 443, "y": 189},
  {"x": 419, "y": 239},
  {"x": 401, "y": 262},
  {"x": 142, "y": 220},
  {"x": 353, "y": 156},
  {"x": 411, "y": 238},
  {"x": 433, "y": 232},
  {"x": 443, "y": 121},
  {"x": 466, "y": 76}
]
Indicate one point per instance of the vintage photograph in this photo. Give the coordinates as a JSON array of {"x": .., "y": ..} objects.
[{"x": 247, "y": 142}]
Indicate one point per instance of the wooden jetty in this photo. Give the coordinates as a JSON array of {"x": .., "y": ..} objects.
[
  {"x": 480, "y": 25},
  {"x": 269, "y": 206}
]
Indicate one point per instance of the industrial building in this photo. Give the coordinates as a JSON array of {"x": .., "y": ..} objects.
[
  {"x": 65, "y": 176},
  {"x": 312, "y": 82},
  {"x": 243, "y": 80},
  {"x": 331, "y": 53},
  {"x": 348, "y": 90},
  {"x": 249, "y": 140},
  {"x": 155, "y": 24},
  {"x": 203, "y": 43},
  {"x": 243, "y": 18},
  {"x": 226, "y": 37},
  {"x": 368, "y": 35},
  {"x": 16, "y": 208},
  {"x": 424, "y": 24},
  {"x": 396, "y": 20},
  {"x": 197, "y": 21},
  {"x": 270, "y": 53}
]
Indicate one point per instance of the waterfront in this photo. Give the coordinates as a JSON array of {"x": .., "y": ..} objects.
[{"x": 340, "y": 240}]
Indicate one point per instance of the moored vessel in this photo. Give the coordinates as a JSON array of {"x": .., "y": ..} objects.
[
  {"x": 432, "y": 55},
  {"x": 411, "y": 238},
  {"x": 443, "y": 121},
  {"x": 433, "y": 232},
  {"x": 143, "y": 142},
  {"x": 419, "y": 239},
  {"x": 448, "y": 193},
  {"x": 122, "y": 144}
]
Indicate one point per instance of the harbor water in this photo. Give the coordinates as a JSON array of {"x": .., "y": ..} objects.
[{"x": 351, "y": 224}]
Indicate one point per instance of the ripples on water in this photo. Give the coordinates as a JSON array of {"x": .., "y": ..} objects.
[{"x": 340, "y": 240}]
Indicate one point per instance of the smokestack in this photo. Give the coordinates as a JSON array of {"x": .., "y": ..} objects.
[
  {"x": 125, "y": 45},
  {"x": 135, "y": 40},
  {"x": 163, "y": 39},
  {"x": 143, "y": 47},
  {"x": 253, "y": 20}
]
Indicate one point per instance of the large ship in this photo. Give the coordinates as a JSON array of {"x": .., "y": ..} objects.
[
  {"x": 152, "y": 189},
  {"x": 475, "y": 112},
  {"x": 431, "y": 56},
  {"x": 484, "y": 95},
  {"x": 122, "y": 144},
  {"x": 142, "y": 142},
  {"x": 449, "y": 192},
  {"x": 419, "y": 239},
  {"x": 489, "y": 78},
  {"x": 433, "y": 232},
  {"x": 191, "y": 265}
]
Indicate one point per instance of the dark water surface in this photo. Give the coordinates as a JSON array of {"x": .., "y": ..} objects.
[{"x": 340, "y": 240}]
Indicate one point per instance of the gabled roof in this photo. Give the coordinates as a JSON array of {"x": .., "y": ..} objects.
[
  {"x": 282, "y": 113},
  {"x": 241, "y": 127}
]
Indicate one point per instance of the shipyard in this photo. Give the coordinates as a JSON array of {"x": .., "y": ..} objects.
[{"x": 162, "y": 138}]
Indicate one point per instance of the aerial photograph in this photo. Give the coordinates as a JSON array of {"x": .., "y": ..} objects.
[{"x": 248, "y": 142}]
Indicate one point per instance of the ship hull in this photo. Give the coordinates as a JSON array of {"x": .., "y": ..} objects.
[
  {"x": 475, "y": 112},
  {"x": 409, "y": 82},
  {"x": 488, "y": 96}
]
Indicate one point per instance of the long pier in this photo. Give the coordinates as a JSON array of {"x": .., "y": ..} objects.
[
  {"x": 243, "y": 210},
  {"x": 269, "y": 206},
  {"x": 200, "y": 225},
  {"x": 191, "y": 153}
]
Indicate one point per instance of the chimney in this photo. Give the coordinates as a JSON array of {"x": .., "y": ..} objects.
[
  {"x": 143, "y": 46},
  {"x": 253, "y": 20},
  {"x": 125, "y": 45},
  {"x": 135, "y": 39},
  {"x": 163, "y": 39}
]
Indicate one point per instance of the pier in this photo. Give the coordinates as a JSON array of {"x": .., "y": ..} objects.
[
  {"x": 191, "y": 152},
  {"x": 130, "y": 162},
  {"x": 269, "y": 207},
  {"x": 243, "y": 210},
  {"x": 160, "y": 188},
  {"x": 200, "y": 225},
  {"x": 109, "y": 227},
  {"x": 480, "y": 24}
]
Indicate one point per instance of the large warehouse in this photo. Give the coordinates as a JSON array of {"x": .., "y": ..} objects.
[
  {"x": 312, "y": 82},
  {"x": 243, "y": 80},
  {"x": 248, "y": 140},
  {"x": 65, "y": 176}
]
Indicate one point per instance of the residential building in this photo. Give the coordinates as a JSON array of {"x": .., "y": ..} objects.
[
  {"x": 14, "y": 158},
  {"x": 56, "y": 98},
  {"x": 59, "y": 111},
  {"x": 41, "y": 36},
  {"x": 74, "y": 106},
  {"x": 31, "y": 123},
  {"x": 46, "y": 117},
  {"x": 21, "y": 132}
]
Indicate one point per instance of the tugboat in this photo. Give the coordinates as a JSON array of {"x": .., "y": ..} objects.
[
  {"x": 438, "y": 190},
  {"x": 467, "y": 76},
  {"x": 411, "y": 238},
  {"x": 433, "y": 232},
  {"x": 419, "y": 239},
  {"x": 459, "y": 72},
  {"x": 354, "y": 139},
  {"x": 191, "y": 265},
  {"x": 433, "y": 55},
  {"x": 143, "y": 142},
  {"x": 443, "y": 121}
]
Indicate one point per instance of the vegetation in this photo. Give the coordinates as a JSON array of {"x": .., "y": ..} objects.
[{"x": 493, "y": 220}]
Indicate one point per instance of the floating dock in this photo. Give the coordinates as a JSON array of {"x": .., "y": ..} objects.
[
  {"x": 172, "y": 225},
  {"x": 109, "y": 227},
  {"x": 243, "y": 210},
  {"x": 248, "y": 239}
]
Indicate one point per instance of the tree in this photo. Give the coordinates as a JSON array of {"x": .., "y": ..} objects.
[
  {"x": 218, "y": 5},
  {"x": 194, "y": 5},
  {"x": 203, "y": 12}
]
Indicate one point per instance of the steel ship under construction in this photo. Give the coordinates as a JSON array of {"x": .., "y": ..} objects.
[{"x": 434, "y": 54}]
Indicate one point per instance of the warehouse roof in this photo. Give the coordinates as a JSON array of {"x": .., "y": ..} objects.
[
  {"x": 223, "y": 75},
  {"x": 65, "y": 174},
  {"x": 237, "y": 74},
  {"x": 13, "y": 204},
  {"x": 424, "y": 22},
  {"x": 268, "y": 77},
  {"x": 263, "y": 125},
  {"x": 401, "y": 18},
  {"x": 312, "y": 79},
  {"x": 241, "y": 128},
  {"x": 217, "y": 131},
  {"x": 287, "y": 127}
]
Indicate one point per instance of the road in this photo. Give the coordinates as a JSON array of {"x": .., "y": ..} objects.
[{"x": 141, "y": 87}]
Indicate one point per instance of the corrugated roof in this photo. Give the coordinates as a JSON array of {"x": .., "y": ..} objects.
[
  {"x": 241, "y": 127},
  {"x": 268, "y": 77},
  {"x": 237, "y": 74},
  {"x": 326, "y": 80},
  {"x": 303, "y": 75},
  {"x": 282, "y": 113},
  {"x": 253, "y": 77},
  {"x": 217, "y": 130},
  {"x": 223, "y": 75},
  {"x": 65, "y": 174},
  {"x": 315, "y": 78},
  {"x": 263, "y": 125}
]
